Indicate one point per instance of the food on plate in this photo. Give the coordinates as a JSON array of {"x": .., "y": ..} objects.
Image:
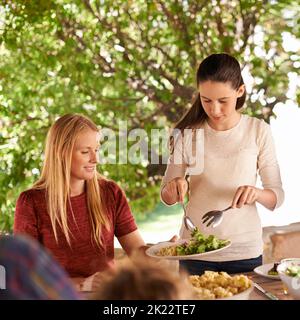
[
  {"x": 215, "y": 285},
  {"x": 289, "y": 273},
  {"x": 199, "y": 243},
  {"x": 273, "y": 271},
  {"x": 293, "y": 271}
]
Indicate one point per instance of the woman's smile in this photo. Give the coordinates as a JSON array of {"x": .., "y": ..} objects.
[{"x": 90, "y": 168}]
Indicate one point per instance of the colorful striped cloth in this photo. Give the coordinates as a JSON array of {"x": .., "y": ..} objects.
[{"x": 28, "y": 272}]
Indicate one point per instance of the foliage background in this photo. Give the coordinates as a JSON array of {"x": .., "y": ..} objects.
[{"x": 132, "y": 60}]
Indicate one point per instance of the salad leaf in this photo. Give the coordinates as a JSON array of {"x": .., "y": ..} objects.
[
  {"x": 200, "y": 243},
  {"x": 293, "y": 271}
]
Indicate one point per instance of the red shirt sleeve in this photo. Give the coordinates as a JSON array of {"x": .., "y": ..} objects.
[
  {"x": 25, "y": 221},
  {"x": 124, "y": 220}
]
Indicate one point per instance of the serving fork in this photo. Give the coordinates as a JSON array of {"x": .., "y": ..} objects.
[{"x": 214, "y": 218}]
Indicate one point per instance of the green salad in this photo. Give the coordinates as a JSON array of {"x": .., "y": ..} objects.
[
  {"x": 199, "y": 243},
  {"x": 273, "y": 271},
  {"x": 293, "y": 271}
]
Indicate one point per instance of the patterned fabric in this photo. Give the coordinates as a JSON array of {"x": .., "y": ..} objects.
[
  {"x": 31, "y": 273},
  {"x": 83, "y": 258}
]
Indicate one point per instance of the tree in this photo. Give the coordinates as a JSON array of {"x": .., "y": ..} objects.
[{"x": 133, "y": 60}]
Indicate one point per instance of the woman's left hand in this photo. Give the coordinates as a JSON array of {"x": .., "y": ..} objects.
[
  {"x": 142, "y": 250},
  {"x": 245, "y": 195},
  {"x": 174, "y": 238}
]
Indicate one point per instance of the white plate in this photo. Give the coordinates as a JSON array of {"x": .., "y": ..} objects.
[
  {"x": 154, "y": 249},
  {"x": 263, "y": 271}
]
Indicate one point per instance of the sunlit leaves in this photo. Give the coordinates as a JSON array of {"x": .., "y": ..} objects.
[{"x": 126, "y": 60}]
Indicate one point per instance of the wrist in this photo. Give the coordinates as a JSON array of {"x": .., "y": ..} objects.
[
  {"x": 143, "y": 249},
  {"x": 259, "y": 194}
]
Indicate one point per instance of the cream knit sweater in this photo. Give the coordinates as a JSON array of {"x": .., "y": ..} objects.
[{"x": 232, "y": 158}]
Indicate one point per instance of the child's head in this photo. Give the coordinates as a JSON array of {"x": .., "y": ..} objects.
[
  {"x": 221, "y": 91},
  {"x": 142, "y": 278}
]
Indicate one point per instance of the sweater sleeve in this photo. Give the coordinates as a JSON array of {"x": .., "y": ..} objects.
[
  {"x": 268, "y": 166},
  {"x": 25, "y": 221},
  {"x": 176, "y": 167},
  {"x": 124, "y": 220}
]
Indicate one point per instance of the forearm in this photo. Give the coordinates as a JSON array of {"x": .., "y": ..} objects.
[
  {"x": 142, "y": 249},
  {"x": 267, "y": 198},
  {"x": 132, "y": 242}
]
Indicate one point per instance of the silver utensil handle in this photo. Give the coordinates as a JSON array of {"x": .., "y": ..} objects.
[
  {"x": 266, "y": 293},
  {"x": 271, "y": 296}
]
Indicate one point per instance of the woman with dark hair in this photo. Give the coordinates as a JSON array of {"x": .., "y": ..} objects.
[{"x": 236, "y": 148}]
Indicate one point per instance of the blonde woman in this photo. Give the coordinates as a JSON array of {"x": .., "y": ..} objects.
[{"x": 72, "y": 210}]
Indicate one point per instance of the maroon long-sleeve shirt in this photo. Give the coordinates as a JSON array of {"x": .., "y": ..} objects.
[{"x": 83, "y": 257}]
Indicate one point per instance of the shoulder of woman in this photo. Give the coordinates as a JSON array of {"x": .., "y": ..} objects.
[
  {"x": 109, "y": 186},
  {"x": 29, "y": 195},
  {"x": 259, "y": 124},
  {"x": 259, "y": 129}
]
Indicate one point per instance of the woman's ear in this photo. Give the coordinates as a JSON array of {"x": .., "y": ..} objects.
[{"x": 241, "y": 90}]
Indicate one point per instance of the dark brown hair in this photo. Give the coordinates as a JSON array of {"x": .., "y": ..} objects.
[{"x": 219, "y": 67}]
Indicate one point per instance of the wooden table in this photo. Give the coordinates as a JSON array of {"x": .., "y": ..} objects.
[{"x": 274, "y": 286}]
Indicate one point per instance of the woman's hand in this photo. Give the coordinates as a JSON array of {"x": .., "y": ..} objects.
[
  {"x": 245, "y": 195},
  {"x": 249, "y": 195},
  {"x": 175, "y": 190},
  {"x": 142, "y": 250},
  {"x": 174, "y": 238},
  {"x": 92, "y": 282}
]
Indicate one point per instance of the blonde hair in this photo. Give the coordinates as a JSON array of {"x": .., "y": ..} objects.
[
  {"x": 56, "y": 174},
  {"x": 142, "y": 278}
]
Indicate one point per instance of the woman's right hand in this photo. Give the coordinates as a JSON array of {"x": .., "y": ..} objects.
[
  {"x": 90, "y": 283},
  {"x": 93, "y": 282},
  {"x": 175, "y": 190}
]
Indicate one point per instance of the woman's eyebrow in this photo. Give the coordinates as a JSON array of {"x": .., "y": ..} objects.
[
  {"x": 89, "y": 147},
  {"x": 217, "y": 99}
]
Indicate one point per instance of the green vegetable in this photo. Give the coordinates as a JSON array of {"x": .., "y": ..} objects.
[
  {"x": 273, "y": 270},
  {"x": 199, "y": 243},
  {"x": 293, "y": 271}
]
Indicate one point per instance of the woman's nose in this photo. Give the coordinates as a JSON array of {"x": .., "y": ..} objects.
[
  {"x": 94, "y": 157},
  {"x": 215, "y": 109}
]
